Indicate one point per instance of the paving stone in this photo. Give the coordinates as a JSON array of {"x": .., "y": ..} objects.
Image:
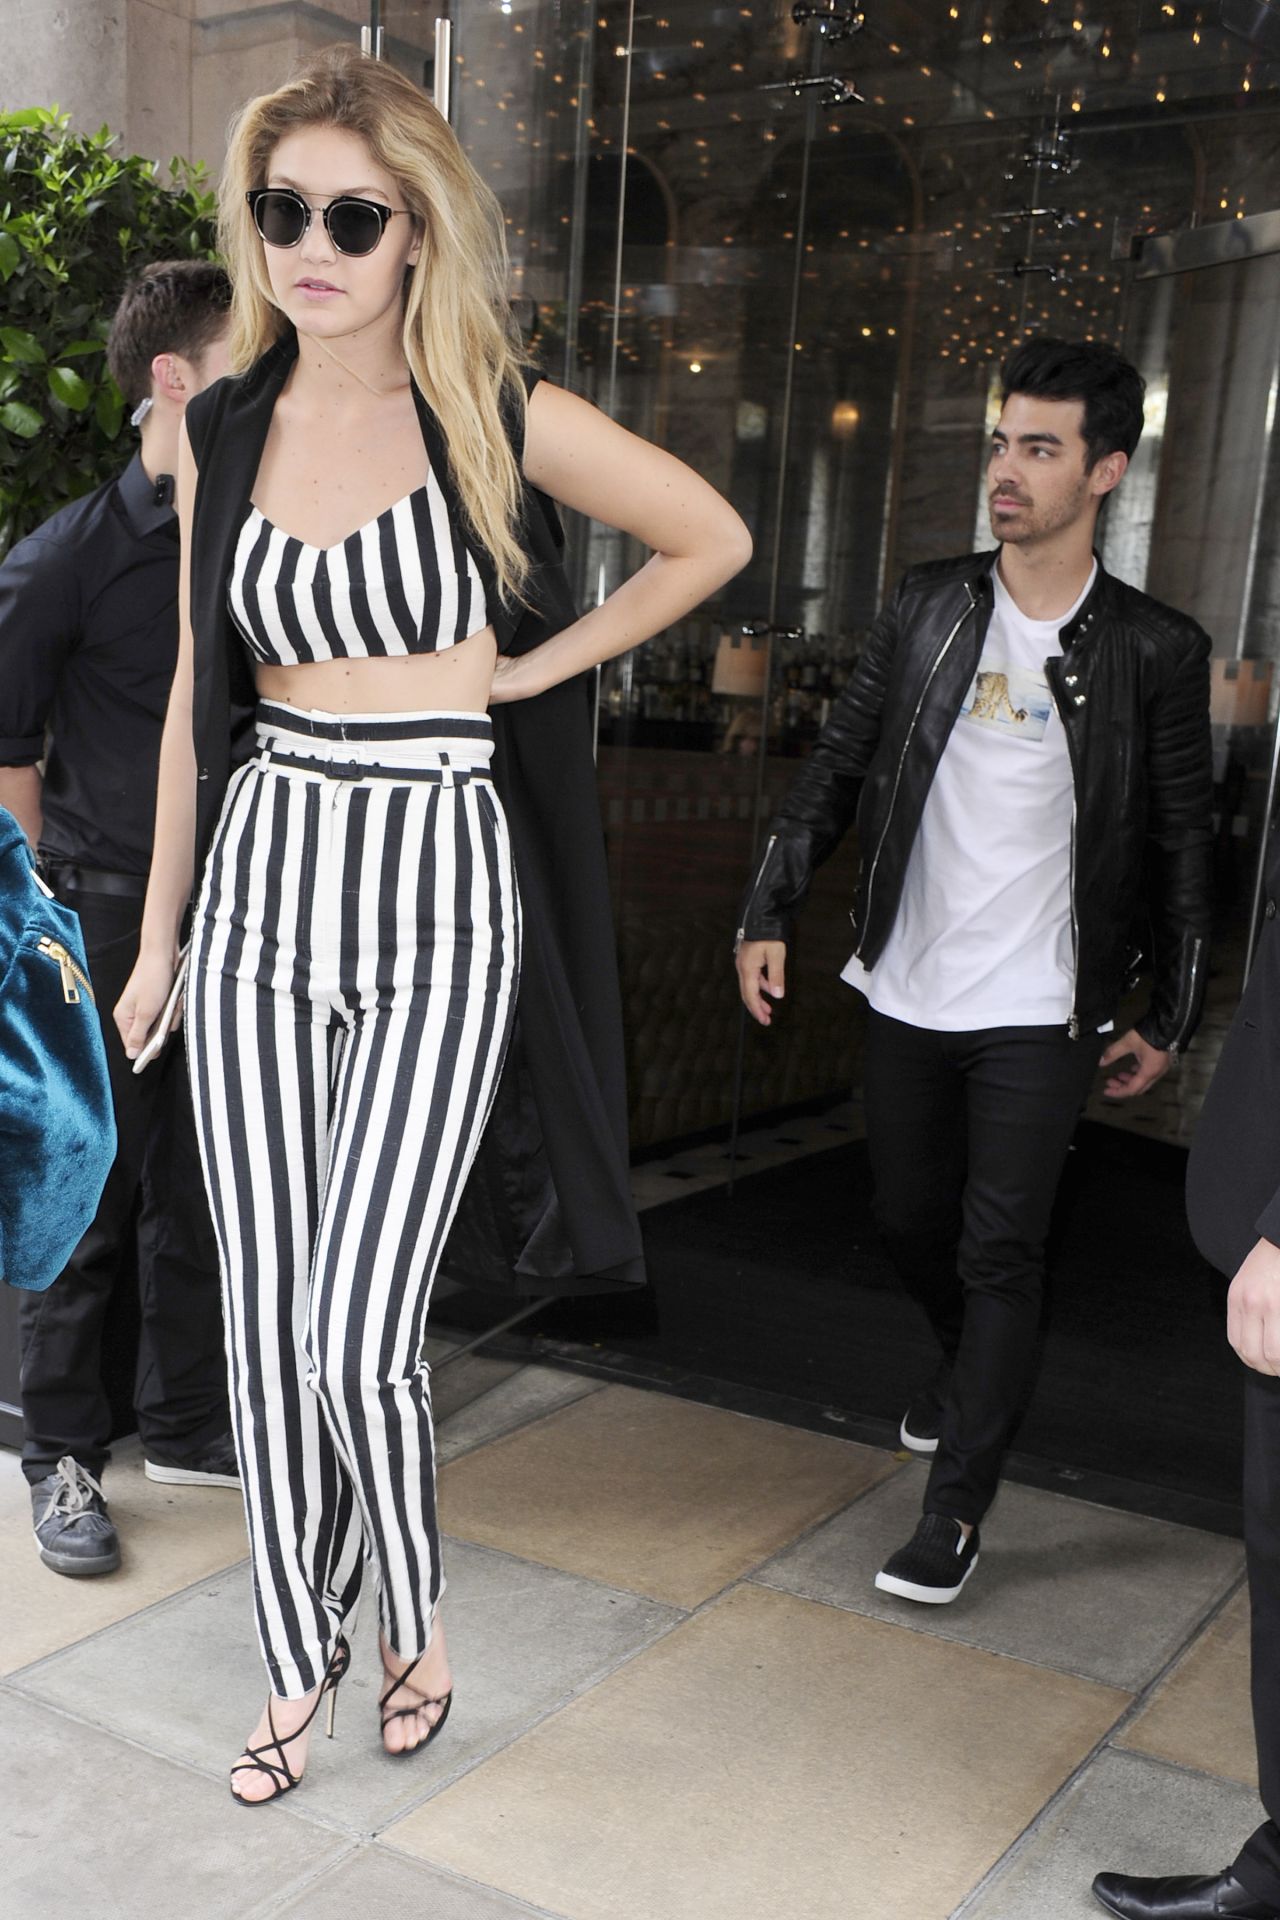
[
  {"x": 657, "y": 1495},
  {"x": 1202, "y": 1716},
  {"x": 169, "y": 1537},
  {"x": 387, "y": 1886},
  {"x": 1124, "y": 1815},
  {"x": 528, "y": 1395},
  {"x": 771, "y": 1757},
  {"x": 1109, "y": 1595},
  {"x": 521, "y": 1640},
  {"x": 96, "y": 1829}
]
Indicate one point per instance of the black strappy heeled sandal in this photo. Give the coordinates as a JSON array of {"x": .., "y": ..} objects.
[
  {"x": 254, "y": 1758},
  {"x": 443, "y": 1701}
]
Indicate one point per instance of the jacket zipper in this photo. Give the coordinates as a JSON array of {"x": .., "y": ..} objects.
[
  {"x": 902, "y": 757},
  {"x": 1174, "y": 1047},
  {"x": 1073, "y": 1023},
  {"x": 1073, "y": 1019},
  {"x": 73, "y": 976},
  {"x": 751, "y": 897}
]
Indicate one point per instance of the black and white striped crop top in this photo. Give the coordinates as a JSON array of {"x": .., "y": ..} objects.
[{"x": 403, "y": 583}]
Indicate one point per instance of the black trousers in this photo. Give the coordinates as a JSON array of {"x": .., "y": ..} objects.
[
  {"x": 153, "y": 1203},
  {"x": 968, "y": 1133},
  {"x": 1258, "y": 1867}
]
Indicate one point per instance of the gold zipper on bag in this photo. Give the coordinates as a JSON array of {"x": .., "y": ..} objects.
[{"x": 73, "y": 976}]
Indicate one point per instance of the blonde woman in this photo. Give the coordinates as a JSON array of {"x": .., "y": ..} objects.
[{"x": 370, "y": 555}]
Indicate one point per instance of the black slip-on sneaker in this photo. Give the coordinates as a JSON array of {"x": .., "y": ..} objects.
[
  {"x": 934, "y": 1564},
  {"x": 921, "y": 1427}
]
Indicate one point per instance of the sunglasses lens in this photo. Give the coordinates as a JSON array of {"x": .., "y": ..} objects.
[
  {"x": 355, "y": 226},
  {"x": 281, "y": 218}
]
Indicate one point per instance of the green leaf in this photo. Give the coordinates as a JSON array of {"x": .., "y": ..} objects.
[
  {"x": 20, "y": 346},
  {"x": 21, "y": 420},
  {"x": 81, "y": 213},
  {"x": 108, "y": 411},
  {"x": 26, "y": 117},
  {"x": 67, "y": 386}
]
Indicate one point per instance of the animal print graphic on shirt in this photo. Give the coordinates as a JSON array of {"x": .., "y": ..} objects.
[{"x": 1009, "y": 701}]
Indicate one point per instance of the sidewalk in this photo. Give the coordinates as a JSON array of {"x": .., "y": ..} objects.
[{"x": 679, "y": 1696}]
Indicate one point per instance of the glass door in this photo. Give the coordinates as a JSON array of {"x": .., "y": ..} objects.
[{"x": 693, "y": 155}]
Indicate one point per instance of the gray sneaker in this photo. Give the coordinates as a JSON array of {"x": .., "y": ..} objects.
[{"x": 73, "y": 1529}]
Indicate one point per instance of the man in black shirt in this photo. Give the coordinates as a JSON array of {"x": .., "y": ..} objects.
[{"x": 88, "y": 643}]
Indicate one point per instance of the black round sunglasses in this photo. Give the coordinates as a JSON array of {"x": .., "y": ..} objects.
[{"x": 354, "y": 225}]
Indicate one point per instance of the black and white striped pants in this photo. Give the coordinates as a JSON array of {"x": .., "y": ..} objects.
[{"x": 354, "y": 963}]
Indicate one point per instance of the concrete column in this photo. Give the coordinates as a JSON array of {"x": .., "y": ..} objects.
[
  {"x": 165, "y": 75},
  {"x": 72, "y": 54}
]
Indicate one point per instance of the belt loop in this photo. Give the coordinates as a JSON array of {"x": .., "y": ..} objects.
[{"x": 446, "y": 771}]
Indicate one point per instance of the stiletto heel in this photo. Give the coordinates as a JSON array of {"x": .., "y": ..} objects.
[
  {"x": 444, "y": 1701},
  {"x": 282, "y": 1778}
]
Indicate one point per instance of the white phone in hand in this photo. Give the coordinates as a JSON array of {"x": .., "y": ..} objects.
[{"x": 153, "y": 1045}]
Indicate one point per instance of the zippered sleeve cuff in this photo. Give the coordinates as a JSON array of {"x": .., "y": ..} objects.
[
  {"x": 1171, "y": 1021},
  {"x": 779, "y": 886},
  {"x": 1162, "y": 1037}
]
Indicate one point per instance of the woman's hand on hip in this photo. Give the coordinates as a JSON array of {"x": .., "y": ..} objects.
[{"x": 515, "y": 677}]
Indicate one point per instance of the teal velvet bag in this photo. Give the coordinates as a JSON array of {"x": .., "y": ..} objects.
[{"x": 57, "y": 1123}]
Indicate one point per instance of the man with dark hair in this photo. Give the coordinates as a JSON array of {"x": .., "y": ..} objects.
[
  {"x": 1025, "y": 747},
  {"x": 182, "y": 301},
  {"x": 88, "y": 642}
]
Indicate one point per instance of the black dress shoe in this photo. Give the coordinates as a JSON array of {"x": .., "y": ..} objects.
[{"x": 1201, "y": 1896}]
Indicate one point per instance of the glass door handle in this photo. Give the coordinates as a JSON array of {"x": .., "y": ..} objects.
[{"x": 442, "y": 73}]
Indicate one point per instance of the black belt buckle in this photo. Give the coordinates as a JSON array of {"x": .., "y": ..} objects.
[{"x": 345, "y": 769}]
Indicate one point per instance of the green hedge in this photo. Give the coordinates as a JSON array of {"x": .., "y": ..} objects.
[{"x": 76, "y": 220}]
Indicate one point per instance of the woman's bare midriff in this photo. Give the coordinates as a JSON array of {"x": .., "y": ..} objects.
[{"x": 456, "y": 680}]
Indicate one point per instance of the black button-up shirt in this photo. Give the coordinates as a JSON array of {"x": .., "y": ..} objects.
[{"x": 88, "y": 644}]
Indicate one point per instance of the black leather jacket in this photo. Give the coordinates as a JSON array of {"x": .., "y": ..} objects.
[{"x": 1132, "y": 687}]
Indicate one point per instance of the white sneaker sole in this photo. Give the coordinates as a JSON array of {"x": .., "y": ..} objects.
[
  {"x": 913, "y": 1442},
  {"x": 928, "y": 1596},
  {"x": 185, "y": 1477}
]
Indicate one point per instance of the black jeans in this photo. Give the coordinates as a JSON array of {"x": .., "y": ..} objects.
[
  {"x": 154, "y": 1200},
  {"x": 968, "y": 1133},
  {"x": 1258, "y": 1867}
]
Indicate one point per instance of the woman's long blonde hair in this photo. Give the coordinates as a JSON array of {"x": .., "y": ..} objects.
[{"x": 460, "y": 339}]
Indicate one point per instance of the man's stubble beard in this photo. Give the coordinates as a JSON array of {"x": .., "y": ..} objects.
[{"x": 1035, "y": 526}]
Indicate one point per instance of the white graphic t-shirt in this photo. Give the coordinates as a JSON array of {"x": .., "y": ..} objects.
[{"x": 982, "y": 936}]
